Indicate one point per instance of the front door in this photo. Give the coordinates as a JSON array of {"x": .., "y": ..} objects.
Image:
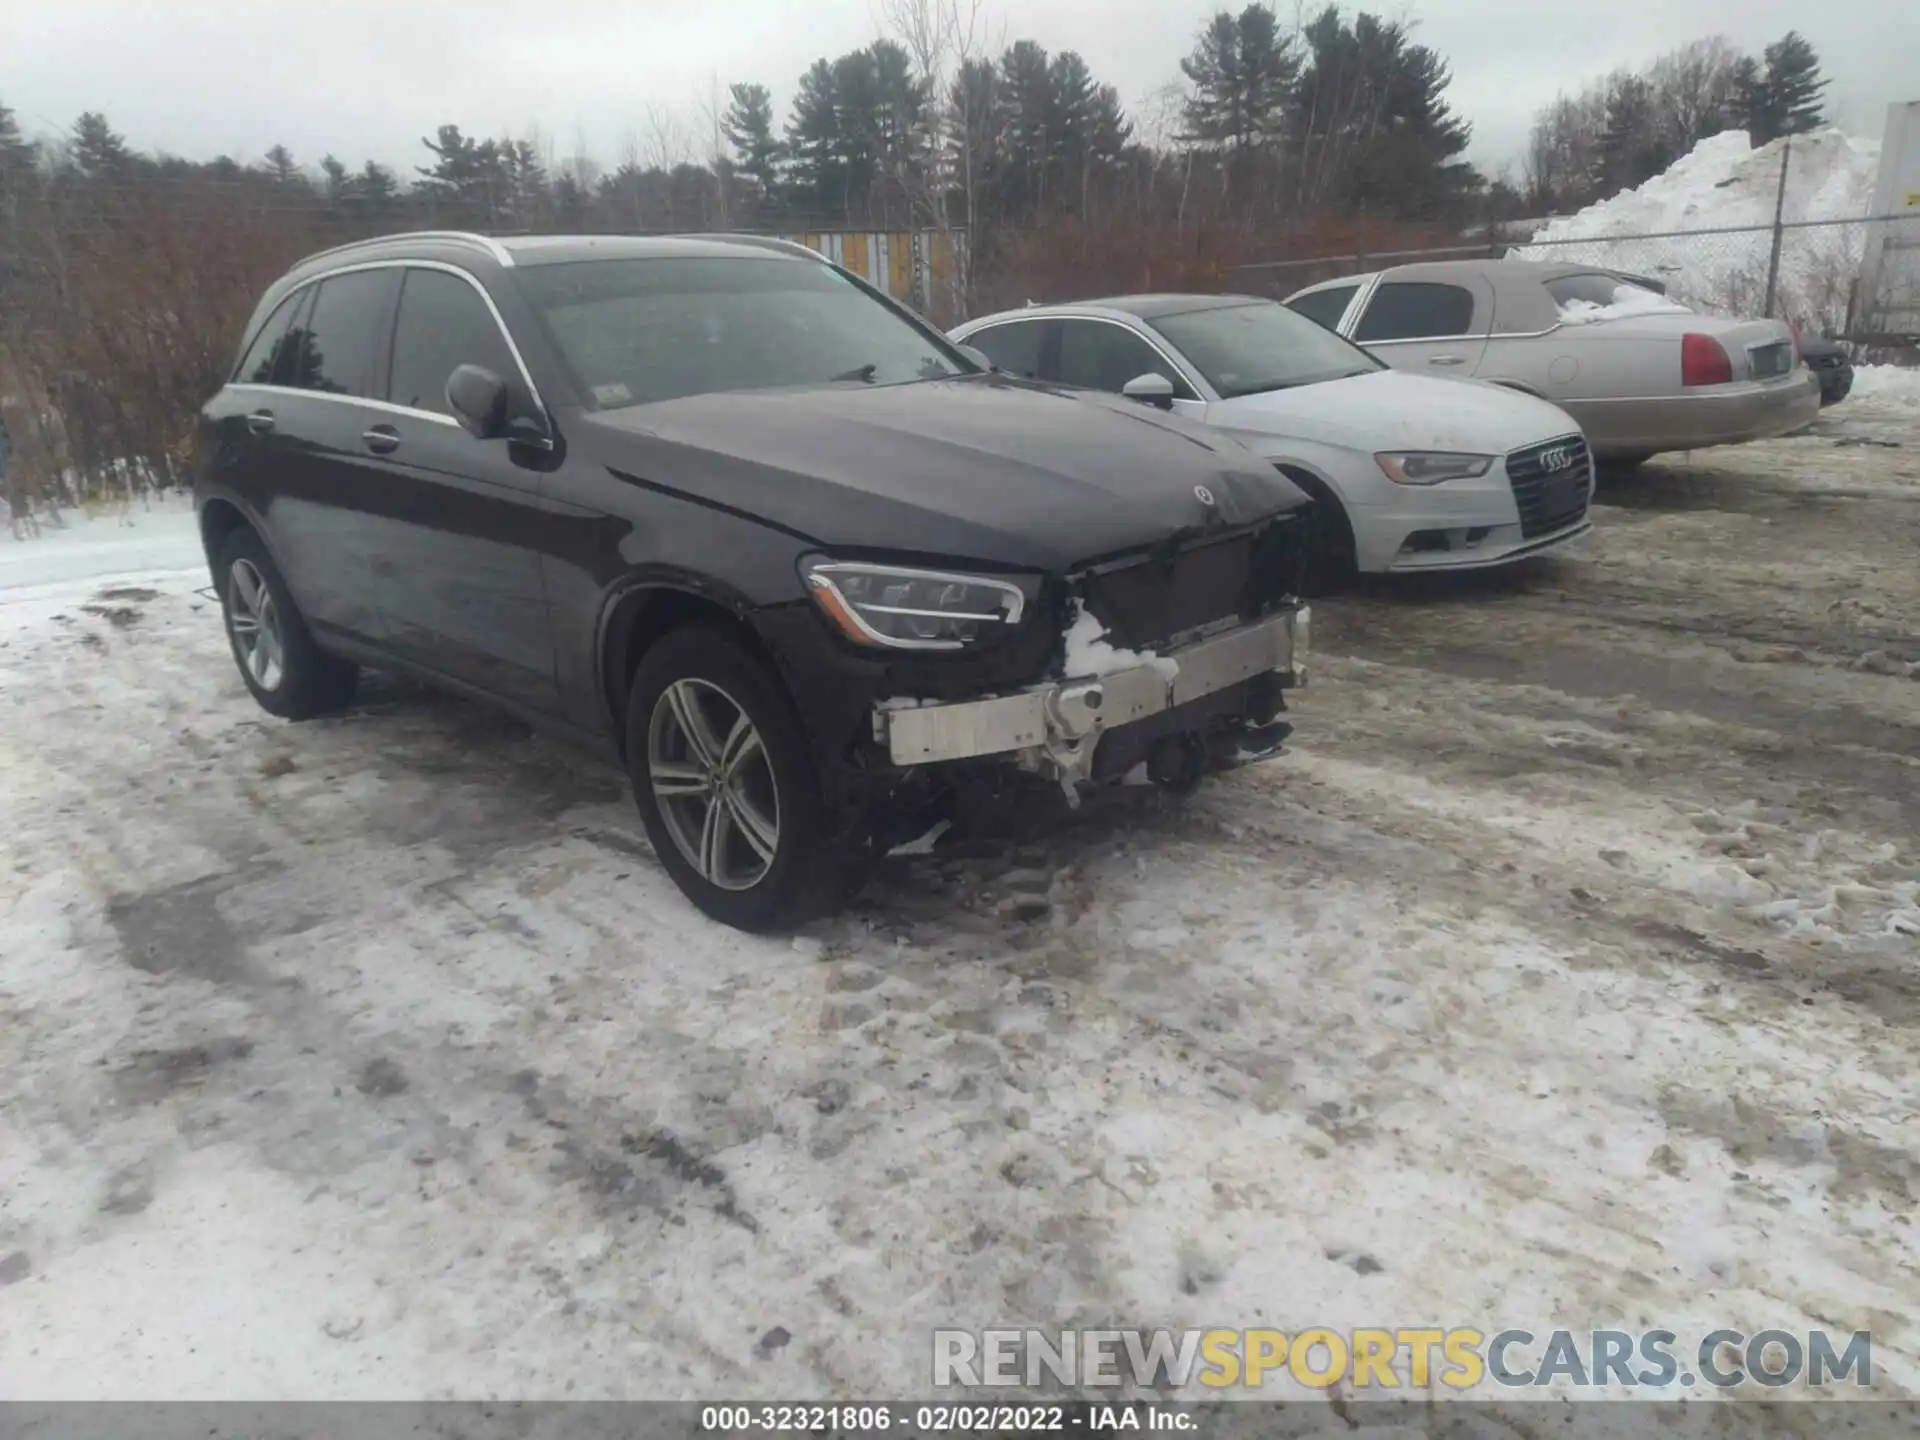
[{"x": 459, "y": 548}]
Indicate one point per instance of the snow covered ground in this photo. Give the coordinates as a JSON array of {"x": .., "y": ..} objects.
[
  {"x": 1724, "y": 184},
  {"x": 1566, "y": 972}
]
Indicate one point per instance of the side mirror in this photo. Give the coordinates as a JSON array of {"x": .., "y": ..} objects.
[
  {"x": 1150, "y": 389},
  {"x": 478, "y": 399},
  {"x": 978, "y": 356}
]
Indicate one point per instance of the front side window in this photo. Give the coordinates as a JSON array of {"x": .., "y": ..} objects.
[
  {"x": 1416, "y": 310},
  {"x": 1096, "y": 355},
  {"x": 336, "y": 344},
  {"x": 1246, "y": 349},
  {"x": 1014, "y": 347},
  {"x": 442, "y": 324},
  {"x": 269, "y": 359},
  {"x": 1324, "y": 307},
  {"x": 637, "y": 331}
]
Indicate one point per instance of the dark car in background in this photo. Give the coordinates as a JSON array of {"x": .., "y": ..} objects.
[
  {"x": 721, "y": 510},
  {"x": 1831, "y": 366}
]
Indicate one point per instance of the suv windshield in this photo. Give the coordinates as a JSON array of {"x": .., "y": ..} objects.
[
  {"x": 1244, "y": 349},
  {"x": 634, "y": 331}
]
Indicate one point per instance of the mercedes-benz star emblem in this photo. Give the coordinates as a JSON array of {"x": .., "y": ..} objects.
[{"x": 1203, "y": 494}]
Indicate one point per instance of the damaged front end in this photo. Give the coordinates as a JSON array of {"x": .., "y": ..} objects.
[{"x": 1170, "y": 664}]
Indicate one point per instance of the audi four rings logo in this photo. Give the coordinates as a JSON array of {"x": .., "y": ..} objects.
[
  {"x": 1203, "y": 494},
  {"x": 1555, "y": 459}
]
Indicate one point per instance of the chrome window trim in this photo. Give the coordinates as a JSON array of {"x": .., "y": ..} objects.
[
  {"x": 386, "y": 405},
  {"x": 499, "y": 323},
  {"x": 1201, "y": 392}
]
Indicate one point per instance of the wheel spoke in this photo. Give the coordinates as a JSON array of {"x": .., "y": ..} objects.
[
  {"x": 673, "y": 780},
  {"x": 743, "y": 745},
  {"x": 754, "y": 827},
  {"x": 693, "y": 724},
  {"x": 713, "y": 840},
  {"x": 247, "y": 584},
  {"x": 245, "y": 624}
]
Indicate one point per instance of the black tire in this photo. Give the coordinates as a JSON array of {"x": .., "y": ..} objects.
[
  {"x": 1331, "y": 565},
  {"x": 711, "y": 668},
  {"x": 307, "y": 681}
]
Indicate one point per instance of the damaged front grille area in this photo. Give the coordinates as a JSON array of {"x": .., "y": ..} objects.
[{"x": 1161, "y": 600}]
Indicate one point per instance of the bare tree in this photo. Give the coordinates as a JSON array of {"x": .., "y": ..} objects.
[
  {"x": 710, "y": 108},
  {"x": 943, "y": 38}
]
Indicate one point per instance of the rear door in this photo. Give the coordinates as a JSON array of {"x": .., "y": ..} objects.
[
  {"x": 1017, "y": 347},
  {"x": 1436, "y": 327},
  {"x": 320, "y": 484},
  {"x": 457, "y": 555}
]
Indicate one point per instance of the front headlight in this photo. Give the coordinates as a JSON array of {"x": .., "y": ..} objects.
[
  {"x": 903, "y": 609},
  {"x": 1431, "y": 467}
]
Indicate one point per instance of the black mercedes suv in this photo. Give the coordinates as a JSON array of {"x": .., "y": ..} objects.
[{"x": 722, "y": 510}]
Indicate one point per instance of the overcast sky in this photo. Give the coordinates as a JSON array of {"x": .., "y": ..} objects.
[{"x": 367, "y": 78}]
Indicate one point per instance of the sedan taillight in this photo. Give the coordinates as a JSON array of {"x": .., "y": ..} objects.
[{"x": 1703, "y": 361}]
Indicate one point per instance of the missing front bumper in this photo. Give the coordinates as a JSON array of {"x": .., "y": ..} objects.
[{"x": 1057, "y": 726}]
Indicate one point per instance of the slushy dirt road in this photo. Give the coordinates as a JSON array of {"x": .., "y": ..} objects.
[{"x": 1565, "y": 973}]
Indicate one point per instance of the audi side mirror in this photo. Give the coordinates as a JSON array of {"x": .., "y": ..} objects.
[
  {"x": 478, "y": 399},
  {"x": 978, "y": 357},
  {"x": 1150, "y": 389}
]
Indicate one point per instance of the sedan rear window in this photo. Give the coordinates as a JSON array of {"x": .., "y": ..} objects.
[
  {"x": 1581, "y": 299},
  {"x": 636, "y": 331}
]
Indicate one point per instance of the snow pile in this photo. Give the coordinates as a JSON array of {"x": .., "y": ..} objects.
[
  {"x": 1722, "y": 183},
  {"x": 1889, "y": 384},
  {"x": 1628, "y": 300},
  {"x": 1090, "y": 653}
]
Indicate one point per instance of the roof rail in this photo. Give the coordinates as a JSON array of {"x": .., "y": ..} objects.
[
  {"x": 764, "y": 242},
  {"x": 457, "y": 237}
]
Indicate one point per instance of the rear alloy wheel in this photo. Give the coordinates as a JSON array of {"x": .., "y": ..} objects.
[
  {"x": 286, "y": 672},
  {"x": 725, "y": 780}
]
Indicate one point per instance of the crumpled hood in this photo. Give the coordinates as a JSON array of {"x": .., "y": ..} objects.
[
  {"x": 984, "y": 468},
  {"x": 1392, "y": 410}
]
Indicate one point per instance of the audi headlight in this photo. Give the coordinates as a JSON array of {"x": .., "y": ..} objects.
[
  {"x": 906, "y": 609},
  {"x": 1431, "y": 467}
]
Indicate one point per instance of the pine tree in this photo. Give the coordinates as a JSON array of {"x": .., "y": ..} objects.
[
  {"x": 748, "y": 127},
  {"x": 17, "y": 154},
  {"x": 976, "y": 122},
  {"x": 1243, "y": 76},
  {"x": 98, "y": 149},
  {"x": 336, "y": 177},
  {"x": 377, "y": 185},
  {"x": 1627, "y": 145},
  {"x": 1794, "y": 85},
  {"x": 282, "y": 167},
  {"x": 1747, "y": 101},
  {"x": 1025, "y": 85},
  {"x": 814, "y": 156}
]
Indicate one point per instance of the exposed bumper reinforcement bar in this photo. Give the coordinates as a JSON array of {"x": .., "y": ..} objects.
[{"x": 1062, "y": 721}]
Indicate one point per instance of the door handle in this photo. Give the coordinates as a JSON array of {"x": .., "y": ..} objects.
[
  {"x": 1446, "y": 360},
  {"x": 381, "y": 439},
  {"x": 260, "y": 421}
]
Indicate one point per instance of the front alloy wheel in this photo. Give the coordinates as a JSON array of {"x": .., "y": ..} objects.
[
  {"x": 256, "y": 625},
  {"x": 714, "y": 784}
]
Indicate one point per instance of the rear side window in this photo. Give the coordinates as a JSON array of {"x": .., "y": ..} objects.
[
  {"x": 443, "y": 324},
  {"x": 1324, "y": 307},
  {"x": 1014, "y": 347},
  {"x": 1416, "y": 310},
  {"x": 268, "y": 360},
  {"x": 339, "y": 338},
  {"x": 1096, "y": 355}
]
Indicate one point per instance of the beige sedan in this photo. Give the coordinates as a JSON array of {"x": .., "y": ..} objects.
[{"x": 1641, "y": 373}]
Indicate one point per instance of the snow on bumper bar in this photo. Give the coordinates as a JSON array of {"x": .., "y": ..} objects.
[{"x": 1066, "y": 712}]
